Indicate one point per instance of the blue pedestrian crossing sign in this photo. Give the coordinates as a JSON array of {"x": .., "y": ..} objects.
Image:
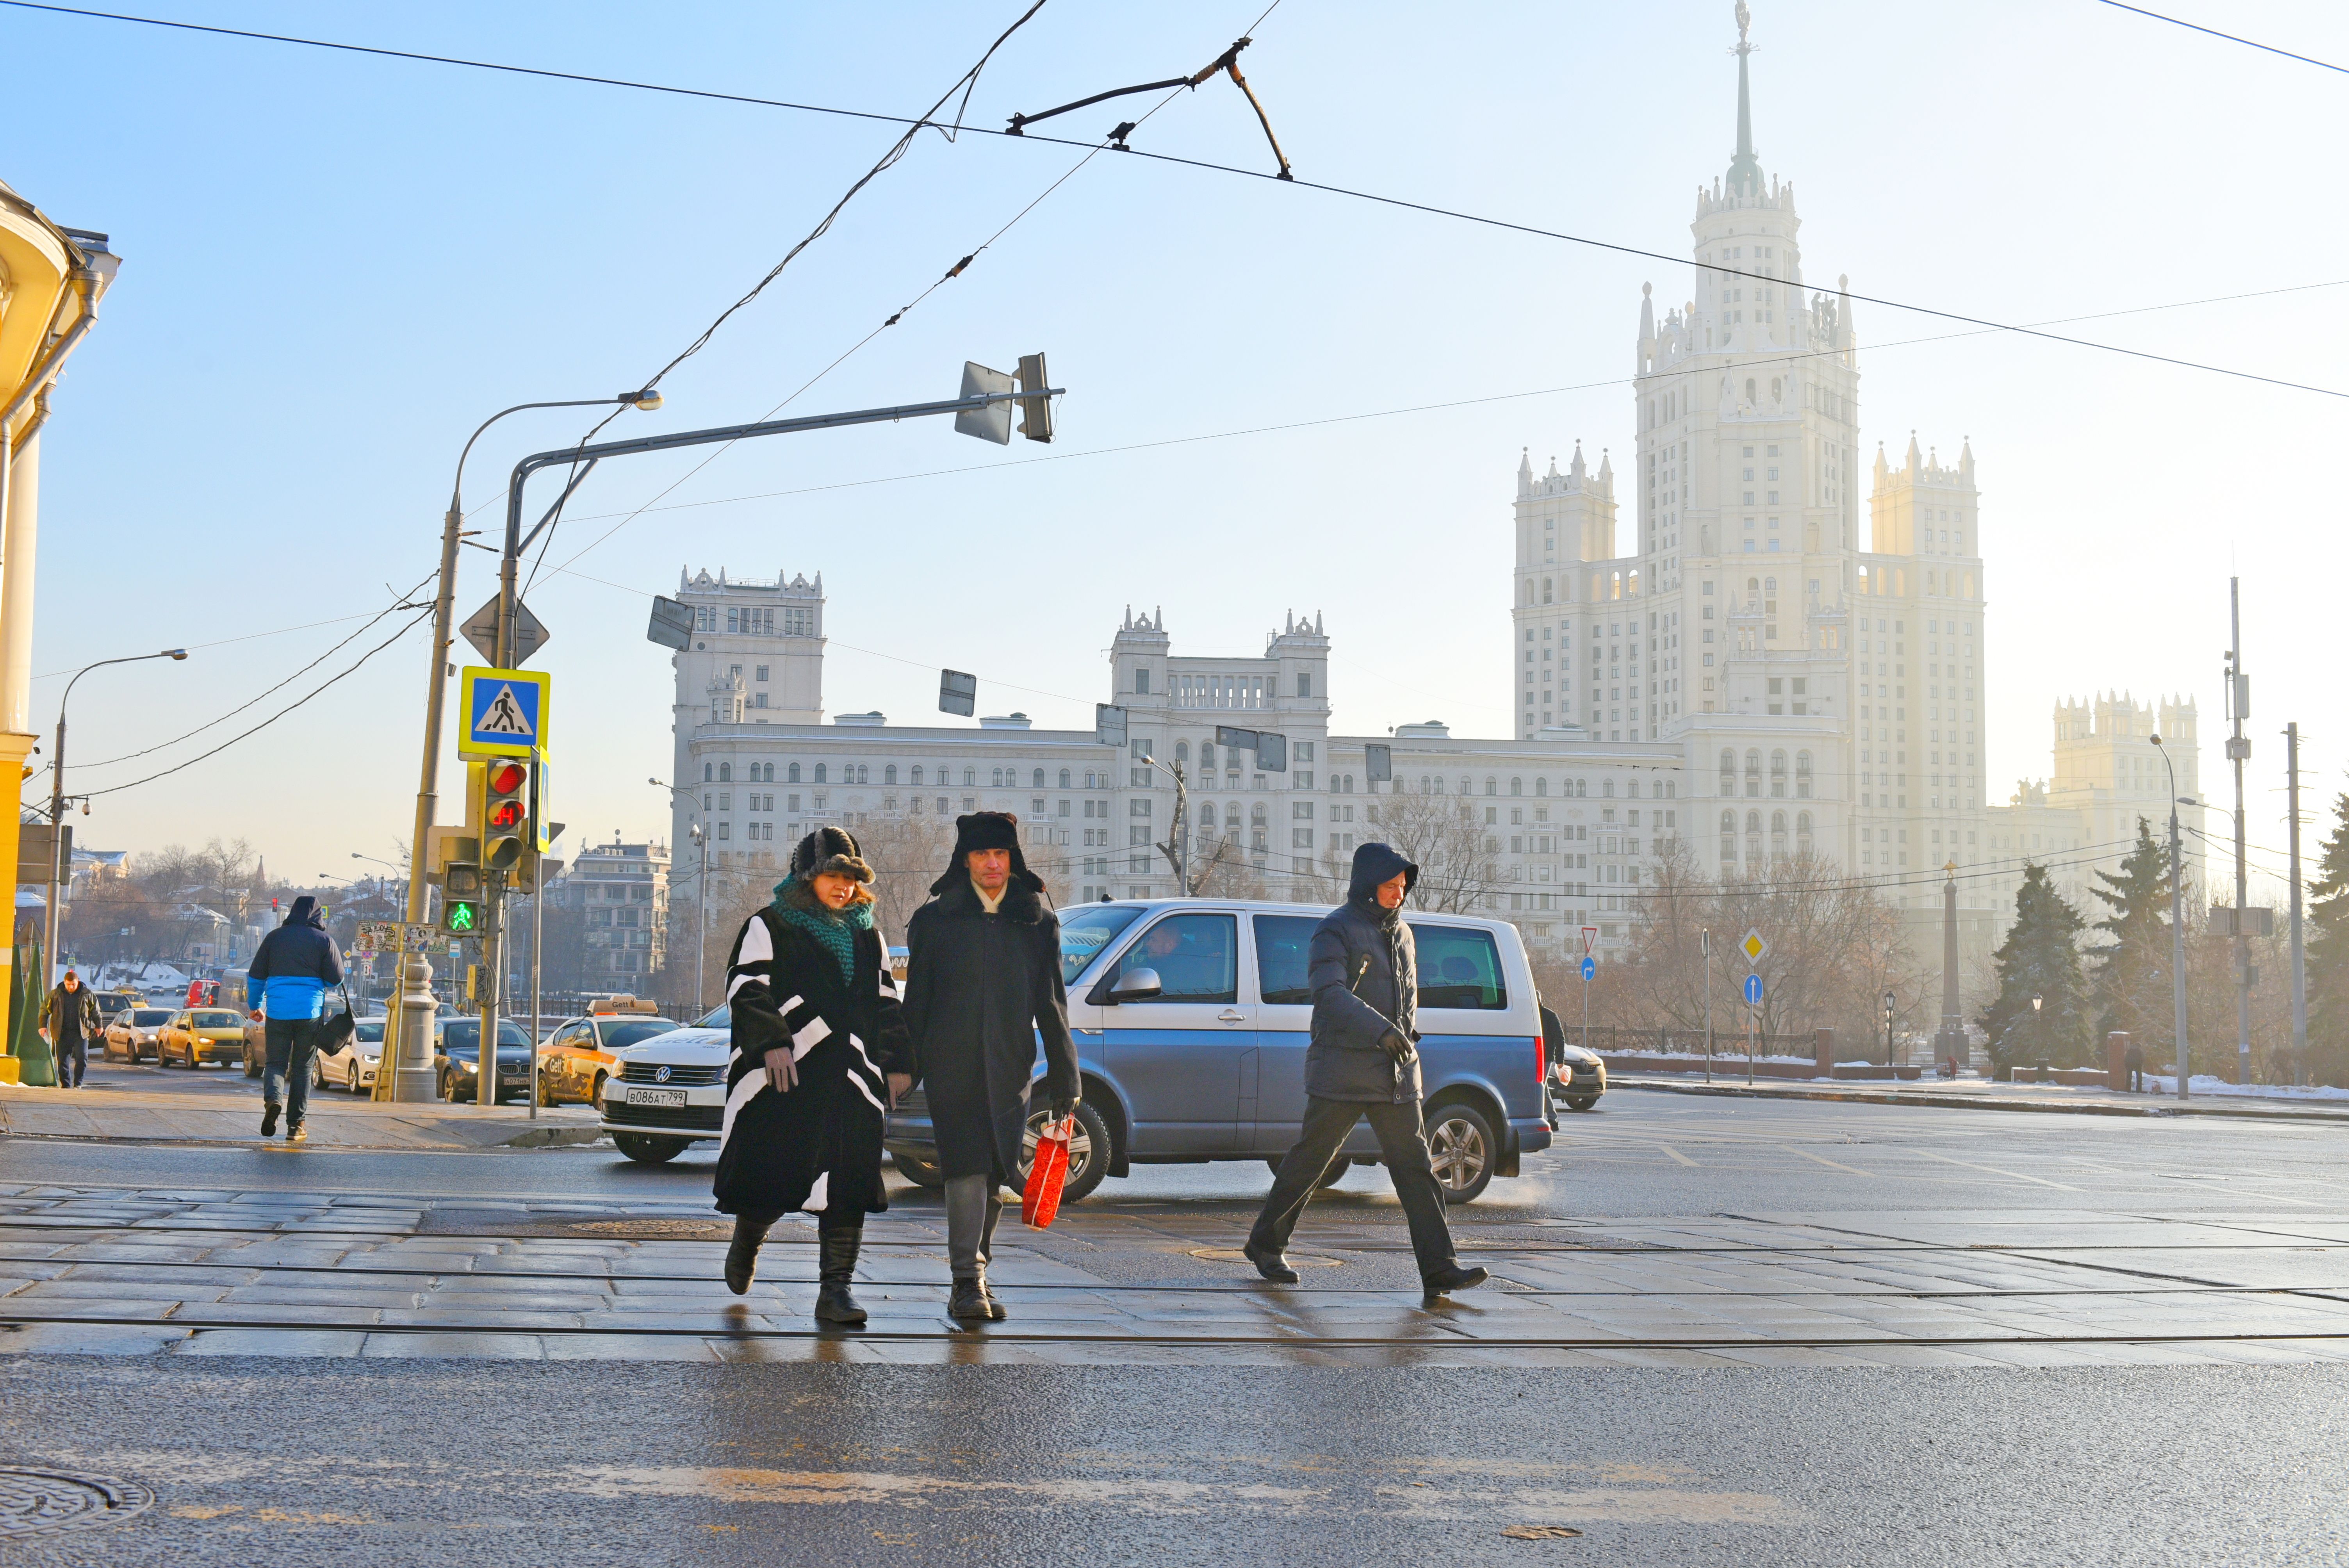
[
  {"x": 1589, "y": 967},
  {"x": 1753, "y": 990},
  {"x": 505, "y": 712}
]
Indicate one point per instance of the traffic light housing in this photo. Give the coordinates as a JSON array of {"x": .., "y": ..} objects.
[
  {"x": 460, "y": 916},
  {"x": 506, "y": 833}
]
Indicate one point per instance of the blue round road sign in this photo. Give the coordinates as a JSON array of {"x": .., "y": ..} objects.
[
  {"x": 1589, "y": 967},
  {"x": 1753, "y": 990}
]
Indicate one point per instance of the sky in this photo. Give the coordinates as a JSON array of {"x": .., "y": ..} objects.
[{"x": 1279, "y": 398}]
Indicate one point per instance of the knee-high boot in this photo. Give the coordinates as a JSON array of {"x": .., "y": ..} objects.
[
  {"x": 742, "y": 1253},
  {"x": 833, "y": 1301}
]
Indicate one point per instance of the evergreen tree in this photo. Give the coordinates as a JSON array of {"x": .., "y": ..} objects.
[
  {"x": 2328, "y": 954},
  {"x": 2132, "y": 979},
  {"x": 2040, "y": 958}
]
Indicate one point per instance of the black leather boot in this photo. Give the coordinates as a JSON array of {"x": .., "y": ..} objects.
[
  {"x": 1452, "y": 1276},
  {"x": 742, "y": 1253},
  {"x": 833, "y": 1304},
  {"x": 268, "y": 1117},
  {"x": 970, "y": 1300}
]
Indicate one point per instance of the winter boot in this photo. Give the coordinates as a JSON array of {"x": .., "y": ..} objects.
[
  {"x": 742, "y": 1253},
  {"x": 269, "y": 1119},
  {"x": 297, "y": 1133},
  {"x": 1452, "y": 1276},
  {"x": 834, "y": 1303},
  {"x": 970, "y": 1301}
]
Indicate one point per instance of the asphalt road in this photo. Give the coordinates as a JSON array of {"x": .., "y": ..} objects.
[{"x": 1170, "y": 1452}]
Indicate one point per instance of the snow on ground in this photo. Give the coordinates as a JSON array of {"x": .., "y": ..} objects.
[{"x": 2203, "y": 1083}]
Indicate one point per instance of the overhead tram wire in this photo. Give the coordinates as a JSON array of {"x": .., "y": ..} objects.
[
  {"x": 2230, "y": 37},
  {"x": 1401, "y": 203}
]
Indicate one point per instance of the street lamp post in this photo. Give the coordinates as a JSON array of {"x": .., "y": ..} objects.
[
  {"x": 2176, "y": 920},
  {"x": 57, "y": 802},
  {"x": 1889, "y": 1004},
  {"x": 1705, "y": 940},
  {"x": 700, "y": 896}
]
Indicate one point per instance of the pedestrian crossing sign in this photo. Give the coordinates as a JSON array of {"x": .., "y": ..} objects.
[{"x": 505, "y": 712}]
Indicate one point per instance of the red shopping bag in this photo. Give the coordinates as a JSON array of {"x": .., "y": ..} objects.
[{"x": 1040, "y": 1201}]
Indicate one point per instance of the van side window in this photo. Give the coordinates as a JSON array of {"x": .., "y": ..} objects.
[
  {"x": 1458, "y": 967},
  {"x": 1282, "y": 945},
  {"x": 1197, "y": 957}
]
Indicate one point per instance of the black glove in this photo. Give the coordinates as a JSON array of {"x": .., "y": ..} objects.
[
  {"x": 1064, "y": 1109},
  {"x": 1397, "y": 1048}
]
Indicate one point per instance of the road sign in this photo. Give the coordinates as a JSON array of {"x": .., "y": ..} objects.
[
  {"x": 1589, "y": 969},
  {"x": 1753, "y": 947},
  {"x": 671, "y": 625},
  {"x": 529, "y": 635},
  {"x": 393, "y": 936},
  {"x": 1589, "y": 938},
  {"x": 505, "y": 712},
  {"x": 957, "y": 692},
  {"x": 1753, "y": 990}
]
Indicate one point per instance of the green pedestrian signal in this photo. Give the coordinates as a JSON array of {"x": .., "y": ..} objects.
[{"x": 460, "y": 916}]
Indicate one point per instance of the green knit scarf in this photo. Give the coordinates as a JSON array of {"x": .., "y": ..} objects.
[{"x": 834, "y": 931}]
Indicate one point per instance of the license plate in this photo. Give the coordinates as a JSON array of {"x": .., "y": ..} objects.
[{"x": 673, "y": 1099}]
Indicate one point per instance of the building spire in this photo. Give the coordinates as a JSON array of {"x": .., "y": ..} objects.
[{"x": 1744, "y": 170}]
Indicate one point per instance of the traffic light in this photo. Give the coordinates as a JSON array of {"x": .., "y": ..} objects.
[
  {"x": 506, "y": 835},
  {"x": 460, "y": 916}
]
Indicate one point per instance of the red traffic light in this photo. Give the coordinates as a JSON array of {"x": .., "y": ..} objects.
[
  {"x": 506, "y": 814},
  {"x": 505, "y": 777}
]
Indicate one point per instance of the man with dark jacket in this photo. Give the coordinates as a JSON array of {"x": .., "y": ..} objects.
[
  {"x": 983, "y": 987},
  {"x": 69, "y": 1022},
  {"x": 1364, "y": 971},
  {"x": 291, "y": 971}
]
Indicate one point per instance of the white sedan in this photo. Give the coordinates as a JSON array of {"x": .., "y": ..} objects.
[
  {"x": 669, "y": 1092},
  {"x": 353, "y": 1065}
]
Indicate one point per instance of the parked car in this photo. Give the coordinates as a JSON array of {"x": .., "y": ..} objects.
[
  {"x": 112, "y": 1003},
  {"x": 669, "y": 1090},
  {"x": 456, "y": 1059},
  {"x": 352, "y": 1065},
  {"x": 199, "y": 1035},
  {"x": 132, "y": 1033},
  {"x": 1579, "y": 1078},
  {"x": 580, "y": 1054},
  {"x": 1192, "y": 1018}
]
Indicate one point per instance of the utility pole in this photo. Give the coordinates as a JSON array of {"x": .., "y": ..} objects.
[
  {"x": 2299, "y": 951},
  {"x": 2177, "y": 922},
  {"x": 1951, "y": 1039},
  {"x": 2238, "y": 751},
  {"x": 1705, "y": 940}
]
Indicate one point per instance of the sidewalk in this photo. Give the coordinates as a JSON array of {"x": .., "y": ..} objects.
[
  {"x": 334, "y": 1122},
  {"x": 1977, "y": 1094}
]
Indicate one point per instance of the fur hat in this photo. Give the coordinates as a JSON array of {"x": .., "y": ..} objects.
[
  {"x": 986, "y": 831},
  {"x": 832, "y": 851}
]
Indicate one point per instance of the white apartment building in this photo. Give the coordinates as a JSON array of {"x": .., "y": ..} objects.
[{"x": 622, "y": 892}]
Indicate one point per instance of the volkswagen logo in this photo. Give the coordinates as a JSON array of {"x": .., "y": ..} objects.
[{"x": 661, "y": 1075}]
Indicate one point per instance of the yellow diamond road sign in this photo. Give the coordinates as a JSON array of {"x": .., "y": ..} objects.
[{"x": 1753, "y": 947}]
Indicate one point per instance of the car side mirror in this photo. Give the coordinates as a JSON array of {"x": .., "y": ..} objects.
[{"x": 1135, "y": 986}]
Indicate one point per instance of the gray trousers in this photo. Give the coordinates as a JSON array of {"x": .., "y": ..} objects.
[{"x": 973, "y": 1205}]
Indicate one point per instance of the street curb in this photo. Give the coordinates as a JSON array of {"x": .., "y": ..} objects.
[{"x": 1946, "y": 1100}]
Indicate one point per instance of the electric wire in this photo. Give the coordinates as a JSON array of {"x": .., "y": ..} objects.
[
  {"x": 1349, "y": 193},
  {"x": 289, "y": 680},
  {"x": 2230, "y": 37}
]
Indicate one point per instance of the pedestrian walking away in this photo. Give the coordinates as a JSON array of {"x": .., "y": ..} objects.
[
  {"x": 69, "y": 1022},
  {"x": 820, "y": 1055},
  {"x": 983, "y": 988},
  {"x": 1364, "y": 1061},
  {"x": 2133, "y": 1063},
  {"x": 286, "y": 986}
]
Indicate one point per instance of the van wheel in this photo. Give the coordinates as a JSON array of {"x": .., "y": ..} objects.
[
  {"x": 1088, "y": 1150},
  {"x": 921, "y": 1172},
  {"x": 646, "y": 1149},
  {"x": 1461, "y": 1145}
]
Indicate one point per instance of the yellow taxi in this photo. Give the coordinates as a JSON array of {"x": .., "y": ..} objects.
[
  {"x": 581, "y": 1053},
  {"x": 199, "y": 1035}
]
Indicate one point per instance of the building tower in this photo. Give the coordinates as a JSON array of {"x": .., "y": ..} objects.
[{"x": 1563, "y": 522}]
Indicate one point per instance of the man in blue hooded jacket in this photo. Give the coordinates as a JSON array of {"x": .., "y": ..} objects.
[
  {"x": 1363, "y": 1060},
  {"x": 291, "y": 971}
]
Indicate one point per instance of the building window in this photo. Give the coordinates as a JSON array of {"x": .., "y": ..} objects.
[
  {"x": 1142, "y": 682},
  {"x": 819, "y": 773},
  {"x": 1304, "y": 684},
  {"x": 918, "y": 773},
  {"x": 889, "y": 774},
  {"x": 791, "y": 774},
  {"x": 726, "y": 772},
  {"x": 761, "y": 672},
  {"x": 708, "y": 773}
]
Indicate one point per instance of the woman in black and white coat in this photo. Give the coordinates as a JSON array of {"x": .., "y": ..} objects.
[{"x": 820, "y": 1055}]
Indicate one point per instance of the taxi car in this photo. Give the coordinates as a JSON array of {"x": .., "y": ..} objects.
[
  {"x": 131, "y": 1035},
  {"x": 668, "y": 1091},
  {"x": 198, "y": 1035},
  {"x": 581, "y": 1053}
]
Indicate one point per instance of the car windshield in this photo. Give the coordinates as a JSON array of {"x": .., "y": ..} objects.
[
  {"x": 465, "y": 1035},
  {"x": 720, "y": 1017},
  {"x": 1085, "y": 932},
  {"x": 217, "y": 1020},
  {"x": 371, "y": 1030},
  {"x": 635, "y": 1029},
  {"x": 151, "y": 1018}
]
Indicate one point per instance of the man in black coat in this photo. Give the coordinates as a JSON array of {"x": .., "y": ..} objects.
[
  {"x": 982, "y": 986},
  {"x": 1364, "y": 971}
]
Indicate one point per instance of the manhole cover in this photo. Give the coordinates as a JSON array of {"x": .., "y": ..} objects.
[{"x": 36, "y": 1501}]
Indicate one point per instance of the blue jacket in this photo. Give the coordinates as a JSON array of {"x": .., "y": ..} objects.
[{"x": 294, "y": 964}]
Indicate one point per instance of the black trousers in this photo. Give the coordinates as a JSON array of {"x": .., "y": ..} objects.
[
  {"x": 1402, "y": 1144},
  {"x": 72, "y": 1060}
]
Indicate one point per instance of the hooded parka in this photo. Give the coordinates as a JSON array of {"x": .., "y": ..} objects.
[
  {"x": 1364, "y": 971},
  {"x": 817, "y": 1146},
  {"x": 981, "y": 991}
]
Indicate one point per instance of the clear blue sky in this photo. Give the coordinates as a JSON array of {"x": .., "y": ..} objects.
[{"x": 336, "y": 265}]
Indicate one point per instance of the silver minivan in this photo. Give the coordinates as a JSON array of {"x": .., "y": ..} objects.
[{"x": 1192, "y": 1018}]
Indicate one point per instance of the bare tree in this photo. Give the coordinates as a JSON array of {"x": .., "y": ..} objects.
[{"x": 1445, "y": 836}]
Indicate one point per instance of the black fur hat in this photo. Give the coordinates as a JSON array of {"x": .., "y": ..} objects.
[
  {"x": 986, "y": 831},
  {"x": 829, "y": 850}
]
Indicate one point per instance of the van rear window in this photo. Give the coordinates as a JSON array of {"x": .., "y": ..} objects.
[{"x": 1459, "y": 966}]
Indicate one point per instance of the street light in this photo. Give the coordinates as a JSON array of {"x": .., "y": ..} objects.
[
  {"x": 57, "y": 800},
  {"x": 2176, "y": 918},
  {"x": 701, "y": 896},
  {"x": 1889, "y": 1004}
]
